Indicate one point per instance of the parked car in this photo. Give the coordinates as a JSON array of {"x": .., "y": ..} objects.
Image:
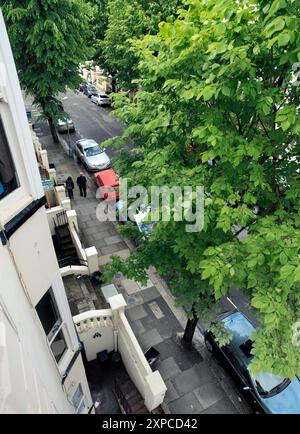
[
  {"x": 101, "y": 99},
  {"x": 107, "y": 181},
  {"x": 271, "y": 393},
  {"x": 144, "y": 226},
  {"x": 89, "y": 90},
  {"x": 65, "y": 124},
  {"x": 92, "y": 155}
]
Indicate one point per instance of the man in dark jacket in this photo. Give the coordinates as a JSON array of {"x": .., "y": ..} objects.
[
  {"x": 70, "y": 187},
  {"x": 81, "y": 182}
]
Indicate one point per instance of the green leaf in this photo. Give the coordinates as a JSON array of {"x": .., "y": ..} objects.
[{"x": 283, "y": 39}]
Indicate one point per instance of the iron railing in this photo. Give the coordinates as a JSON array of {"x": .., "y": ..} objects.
[
  {"x": 61, "y": 219},
  {"x": 71, "y": 260}
]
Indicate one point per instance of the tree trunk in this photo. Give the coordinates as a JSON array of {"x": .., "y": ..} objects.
[
  {"x": 53, "y": 131},
  {"x": 113, "y": 85},
  {"x": 190, "y": 328}
]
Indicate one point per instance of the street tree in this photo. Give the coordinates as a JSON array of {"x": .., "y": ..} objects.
[
  {"x": 116, "y": 23},
  {"x": 219, "y": 107},
  {"x": 48, "y": 40}
]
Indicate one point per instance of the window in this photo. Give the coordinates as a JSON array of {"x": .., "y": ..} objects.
[
  {"x": 8, "y": 176},
  {"x": 78, "y": 400},
  {"x": 51, "y": 321},
  {"x": 92, "y": 151}
]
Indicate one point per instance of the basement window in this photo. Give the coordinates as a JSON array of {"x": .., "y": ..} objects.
[
  {"x": 53, "y": 326},
  {"x": 8, "y": 175},
  {"x": 78, "y": 400}
]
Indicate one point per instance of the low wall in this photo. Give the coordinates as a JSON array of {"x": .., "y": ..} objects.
[{"x": 95, "y": 330}]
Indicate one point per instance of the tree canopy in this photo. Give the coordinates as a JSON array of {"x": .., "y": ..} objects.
[
  {"x": 116, "y": 23},
  {"x": 219, "y": 107},
  {"x": 48, "y": 39}
]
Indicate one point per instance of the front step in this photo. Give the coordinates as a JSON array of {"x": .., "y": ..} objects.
[{"x": 129, "y": 397}]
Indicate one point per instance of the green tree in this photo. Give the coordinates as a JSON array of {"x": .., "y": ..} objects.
[
  {"x": 219, "y": 107},
  {"x": 48, "y": 39},
  {"x": 116, "y": 23}
]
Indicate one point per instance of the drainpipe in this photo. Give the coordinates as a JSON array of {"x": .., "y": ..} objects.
[{"x": 116, "y": 332}]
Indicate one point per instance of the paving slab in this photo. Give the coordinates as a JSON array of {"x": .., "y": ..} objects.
[
  {"x": 171, "y": 394},
  {"x": 168, "y": 368},
  {"x": 99, "y": 234},
  {"x": 136, "y": 312},
  {"x": 187, "y": 404},
  {"x": 193, "y": 378},
  {"x": 156, "y": 310},
  {"x": 223, "y": 406},
  {"x": 113, "y": 240},
  {"x": 113, "y": 248},
  {"x": 130, "y": 286},
  {"x": 104, "y": 259},
  {"x": 150, "y": 294},
  {"x": 137, "y": 327},
  {"x": 209, "y": 393},
  {"x": 149, "y": 339}
]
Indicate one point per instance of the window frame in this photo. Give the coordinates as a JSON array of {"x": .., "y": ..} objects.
[
  {"x": 81, "y": 405},
  {"x": 58, "y": 326},
  {"x": 16, "y": 178}
]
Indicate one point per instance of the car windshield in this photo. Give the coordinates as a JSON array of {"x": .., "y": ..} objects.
[
  {"x": 93, "y": 150},
  {"x": 103, "y": 96},
  {"x": 268, "y": 383},
  {"x": 64, "y": 121}
]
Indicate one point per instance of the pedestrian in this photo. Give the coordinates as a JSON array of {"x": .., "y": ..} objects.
[
  {"x": 70, "y": 187},
  {"x": 81, "y": 182}
]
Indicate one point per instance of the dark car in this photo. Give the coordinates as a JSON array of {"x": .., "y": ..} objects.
[
  {"x": 89, "y": 90},
  {"x": 267, "y": 391}
]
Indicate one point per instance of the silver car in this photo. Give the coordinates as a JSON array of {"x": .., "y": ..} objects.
[
  {"x": 101, "y": 99},
  {"x": 90, "y": 153}
]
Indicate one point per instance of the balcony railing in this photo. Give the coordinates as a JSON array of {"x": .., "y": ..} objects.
[{"x": 93, "y": 319}]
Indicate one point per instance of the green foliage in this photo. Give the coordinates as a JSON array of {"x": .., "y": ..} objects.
[
  {"x": 48, "y": 43},
  {"x": 117, "y": 23},
  {"x": 216, "y": 84}
]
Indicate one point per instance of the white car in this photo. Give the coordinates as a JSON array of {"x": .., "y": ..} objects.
[
  {"x": 101, "y": 99},
  {"x": 65, "y": 125},
  {"x": 93, "y": 157}
]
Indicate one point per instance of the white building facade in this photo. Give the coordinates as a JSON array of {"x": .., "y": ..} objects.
[{"x": 41, "y": 368}]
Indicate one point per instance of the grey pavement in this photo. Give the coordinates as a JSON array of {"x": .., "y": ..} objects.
[{"x": 192, "y": 377}]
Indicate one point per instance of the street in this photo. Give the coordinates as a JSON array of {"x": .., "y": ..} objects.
[
  {"x": 96, "y": 123},
  {"x": 91, "y": 121}
]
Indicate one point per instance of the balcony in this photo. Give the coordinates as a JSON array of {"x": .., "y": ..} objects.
[{"x": 119, "y": 375}]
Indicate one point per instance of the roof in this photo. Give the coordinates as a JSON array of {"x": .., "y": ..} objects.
[
  {"x": 88, "y": 143},
  {"x": 241, "y": 329},
  {"x": 108, "y": 177}
]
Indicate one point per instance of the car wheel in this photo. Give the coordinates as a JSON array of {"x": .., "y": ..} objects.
[{"x": 209, "y": 346}]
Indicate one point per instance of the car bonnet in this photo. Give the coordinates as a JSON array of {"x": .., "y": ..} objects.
[{"x": 287, "y": 401}]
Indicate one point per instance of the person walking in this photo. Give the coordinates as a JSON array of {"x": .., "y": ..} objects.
[
  {"x": 81, "y": 182},
  {"x": 70, "y": 187}
]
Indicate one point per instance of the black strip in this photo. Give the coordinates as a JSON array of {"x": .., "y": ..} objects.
[
  {"x": 14, "y": 224},
  {"x": 67, "y": 371}
]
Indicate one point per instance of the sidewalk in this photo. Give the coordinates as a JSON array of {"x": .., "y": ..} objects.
[{"x": 193, "y": 387}]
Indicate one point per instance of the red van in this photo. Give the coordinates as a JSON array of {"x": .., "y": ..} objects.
[{"x": 108, "y": 184}]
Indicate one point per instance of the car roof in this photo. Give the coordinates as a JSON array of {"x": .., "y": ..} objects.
[
  {"x": 240, "y": 327},
  {"x": 108, "y": 177},
  {"x": 87, "y": 143}
]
